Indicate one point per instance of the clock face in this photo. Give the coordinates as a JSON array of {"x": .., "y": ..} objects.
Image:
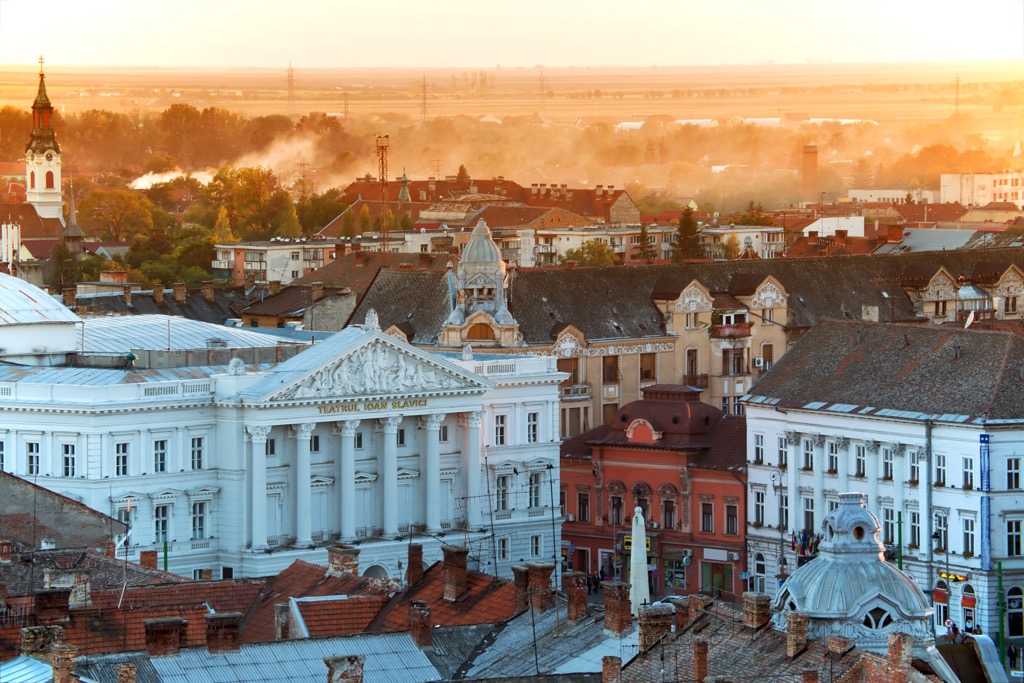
[{"x": 49, "y": 156}]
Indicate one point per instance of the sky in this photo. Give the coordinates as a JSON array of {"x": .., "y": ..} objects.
[{"x": 459, "y": 33}]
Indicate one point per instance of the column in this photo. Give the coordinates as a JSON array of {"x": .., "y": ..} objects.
[
  {"x": 793, "y": 470},
  {"x": 899, "y": 484},
  {"x": 871, "y": 469},
  {"x": 471, "y": 466},
  {"x": 388, "y": 473},
  {"x": 303, "y": 494},
  {"x": 258, "y": 493},
  {"x": 820, "y": 464},
  {"x": 431, "y": 471},
  {"x": 845, "y": 463},
  {"x": 346, "y": 479}
]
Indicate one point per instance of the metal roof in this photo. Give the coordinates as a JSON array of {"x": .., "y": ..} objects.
[
  {"x": 77, "y": 376},
  {"x": 121, "y": 334},
  {"x": 23, "y": 303},
  {"x": 24, "y": 669}
]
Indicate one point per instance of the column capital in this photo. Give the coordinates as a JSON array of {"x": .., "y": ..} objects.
[
  {"x": 897, "y": 448},
  {"x": 872, "y": 445},
  {"x": 345, "y": 428},
  {"x": 818, "y": 440},
  {"x": 432, "y": 421},
  {"x": 257, "y": 433},
  {"x": 473, "y": 418},
  {"x": 390, "y": 424},
  {"x": 302, "y": 431},
  {"x": 792, "y": 438},
  {"x": 842, "y": 442}
]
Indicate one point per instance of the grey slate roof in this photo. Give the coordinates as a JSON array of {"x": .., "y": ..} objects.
[
  {"x": 419, "y": 299},
  {"x": 922, "y": 239},
  {"x": 905, "y": 371},
  {"x": 120, "y": 334},
  {"x": 226, "y": 303}
]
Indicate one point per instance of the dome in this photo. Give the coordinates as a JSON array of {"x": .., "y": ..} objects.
[
  {"x": 22, "y": 303},
  {"x": 850, "y": 586},
  {"x": 481, "y": 247},
  {"x": 36, "y": 328}
]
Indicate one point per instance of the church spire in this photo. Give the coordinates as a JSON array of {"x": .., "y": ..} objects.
[
  {"x": 44, "y": 138},
  {"x": 72, "y": 235}
]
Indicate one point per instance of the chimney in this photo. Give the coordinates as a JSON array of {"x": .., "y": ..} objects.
[
  {"x": 841, "y": 236},
  {"x": 126, "y": 292},
  {"x": 533, "y": 189},
  {"x": 126, "y": 672},
  {"x": 362, "y": 257},
  {"x": 608, "y": 193},
  {"x": 179, "y": 292},
  {"x": 599, "y": 190},
  {"x": 208, "y": 290},
  {"x": 282, "y": 619},
  {"x": 812, "y": 235},
  {"x": 521, "y": 579},
  {"x": 340, "y": 249},
  {"x": 222, "y": 632},
  {"x": 900, "y": 646},
  {"x": 617, "y": 617},
  {"x": 342, "y": 560},
  {"x": 52, "y": 605},
  {"x": 415, "y": 561},
  {"x": 6, "y": 551},
  {"x": 63, "y": 658},
  {"x": 655, "y": 622},
  {"x": 839, "y": 646},
  {"x": 695, "y": 606},
  {"x": 431, "y": 185},
  {"x": 40, "y": 639},
  {"x": 273, "y": 288},
  {"x": 164, "y": 636},
  {"x": 69, "y": 296},
  {"x": 206, "y": 575},
  {"x": 147, "y": 559},
  {"x": 158, "y": 293},
  {"x": 419, "y": 624},
  {"x": 575, "y": 586},
  {"x": 539, "y": 582},
  {"x": 454, "y": 571},
  {"x": 611, "y": 670},
  {"x": 700, "y": 660},
  {"x": 757, "y": 610},
  {"x": 796, "y": 633},
  {"x": 894, "y": 234},
  {"x": 345, "y": 669}
]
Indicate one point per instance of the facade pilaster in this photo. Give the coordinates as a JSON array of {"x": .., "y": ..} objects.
[
  {"x": 303, "y": 493},
  {"x": 258, "y": 494},
  {"x": 431, "y": 469},
  {"x": 793, "y": 471},
  {"x": 820, "y": 465},
  {"x": 346, "y": 479},
  {"x": 899, "y": 484},
  {"x": 871, "y": 469},
  {"x": 845, "y": 462},
  {"x": 388, "y": 474},
  {"x": 471, "y": 467}
]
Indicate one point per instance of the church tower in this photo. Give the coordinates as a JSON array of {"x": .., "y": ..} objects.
[
  {"x": 42, "y": 158},
  {"x": 72, "y": 235}
]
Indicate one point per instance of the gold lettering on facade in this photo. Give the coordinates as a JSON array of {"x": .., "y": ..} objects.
[{"x": 372, "y": 406}]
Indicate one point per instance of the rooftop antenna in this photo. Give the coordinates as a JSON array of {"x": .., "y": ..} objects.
[{"x": 382, "y": 161}]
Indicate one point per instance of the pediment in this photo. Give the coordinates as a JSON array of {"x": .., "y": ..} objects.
[
  {"x": 569, "y": 343},
  {"x": 203, "y": 490},
  {"x": 123, "y": 498},
  {"x": 378, "y": 365},
  {"x": 366, "y": 477},
  {"x": 769, "y": 294},
  {"x": 942, "y": 287},
  {"x": 695, "y": 297}
]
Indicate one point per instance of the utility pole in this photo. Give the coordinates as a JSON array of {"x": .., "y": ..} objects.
[{"x": 382, "y": 159}]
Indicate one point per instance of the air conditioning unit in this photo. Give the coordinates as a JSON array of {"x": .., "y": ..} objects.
[
  {"x": 570, "y": 518},
  {"x": 655, "y": 525},
  {"x": 759, "y": 362},
  {"x": 734, "y": 556},
  {"x": 687, "y": 552}
]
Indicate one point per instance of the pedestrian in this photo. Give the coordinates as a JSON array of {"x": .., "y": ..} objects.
[
  {"x": 1011, "y": 651},
  {"x": 588, "y": 584},
  {"x": 597, "y": 582}
]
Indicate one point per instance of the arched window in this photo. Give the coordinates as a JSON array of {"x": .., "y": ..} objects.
[
  {"x": 940, "y": 599},
  {"x": 32, "y": 180},
  {"x": 49, "y": 180},
  {"x": 760, "y": 573},
  {"x": 877, "y": 618},
  {"x": 1015, "y": 612},
  {"x": 480, "y": 331}
]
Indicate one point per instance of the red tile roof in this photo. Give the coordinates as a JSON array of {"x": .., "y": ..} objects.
[
  {"x": 33, "y": 227},
  {"x": 340, "y": 617}
]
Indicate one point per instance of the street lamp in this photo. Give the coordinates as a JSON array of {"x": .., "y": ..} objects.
[{"x": 776, "y": 477}]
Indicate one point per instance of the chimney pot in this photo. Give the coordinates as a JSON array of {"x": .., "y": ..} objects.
[
  {"x": 158, "y": 293},
  {"x": 208, "y": 290},
  {"x": 655, "y": 622},
  {"x": 415, "y": 563},
  {"x": 700, "y": 660},
  {"x": 575, "y": 586},
  {"x": 148, "y": 559},
  {"x": 796, "y": 633},
  {"x": 63, "y": 655},
  {"x": 342, "y": 560},
  {"x": 617, "y": 616},
  {"x": 179, "y": 292},
  {"x": 611, "y": 669},
  {"x": 521, "y": 578},
  {"x": 419, "y": 624},
  {"x": 164, "y": 636},
  {"x": 539, "y": 574},
  {"x": 454, "y": 571},
  {"x": 757, "y": 609},
  {"x": 222, "y": 632},
  {"x": 273, "y": 288}
]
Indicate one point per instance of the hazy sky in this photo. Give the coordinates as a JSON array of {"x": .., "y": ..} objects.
[{"x": 340, "y": 33}]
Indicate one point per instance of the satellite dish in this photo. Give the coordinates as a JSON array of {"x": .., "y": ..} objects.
[{"x": 970, "y": 319}]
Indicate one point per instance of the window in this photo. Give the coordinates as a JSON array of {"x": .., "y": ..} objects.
[
  {"x": 941, "y": 532},
  {"x": 767, "y": 356},
  {"x": 732, "y": 524},
  {"x": 480, "y": 331},
  {"x": 725, "y": 405},
  {"x": 940, "y": 469},
  {"x": 49, "y": 180},
  {"x": 968, "y": 527},
  {"x": 783, "y": 451},
  {"x": 314, "y": 443},
  {"x": 648, "y": 364},
  {"x": 32, "y": 456},
  {"x": 1013, "y": 544},
  {"x": 535, "y": 479},
  {"x": 808, "y": 505},
  {"x": 732, "y": 362},
  {"x": 535, "y": 546},
  {"x": 271, "y": 447},
  {"x": 915, "y": 467},
  {"x": 833, "y": 456},
  {"x": 608, "y": 412},
  {"x": 915, "y": 529},
  {"x": 692, "y": 321},
  {"x": 940, "y": 309},
  {"x": 887, "y": 463},
  {"x": 759, "y": 508},
  {"x": 888, "y": 524},
  {"x": 707, "y": 517},
  {"x": 161, "y": 520},
  {"x": 500, "y": 424},
  {"x": 532, "y": 427},
  {"x": 400, "y": 437},
  {"x": 561, "y": 501},
  {"x": 68, "y": 451},
  {"x": 808, "y": 455},
  {"x": 860, "y": 458},
  {"x": 503, "y": 548},
  {"x": 199, "y": 520},
  {"x": 501, "y": 486},
  {"x": 121, "y": 459},
  {"x": 968, "y": 472},
  {"x": 160, "y": 455},
  {"x": 583, "y": 507},
  {"x": 442, "y": 434},
  {"x": 359, "y": 440},
  {"x": 784, "y": 510},
  {"x": 197, "y": 452},
  {"x": 124, "y": 515},
  {"x": 758, "y": 448},
  {"x": 737, "y": 405},
  {"x": 571, "y": 366},
  {"x": 1010, "y": 305},
  {"x": 2, "y": 463},
  {"x": 668, "y": 514},
  {"x": 616, "y": 510},
  {"x": 1013, "y": 473},
  {"x": 294, "y": 256},
  {"x": 610, "y": 369},
  {"x": 831, "y": 505}
]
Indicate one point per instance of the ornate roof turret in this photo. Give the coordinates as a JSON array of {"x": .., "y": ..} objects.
[
  {"x": 43, "y": 136},
  {"x": 403, "y": 194},
  {"x": 71, "y": 227}
]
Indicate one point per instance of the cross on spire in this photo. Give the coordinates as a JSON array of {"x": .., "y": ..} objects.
[{"x": 40, "y": 65}]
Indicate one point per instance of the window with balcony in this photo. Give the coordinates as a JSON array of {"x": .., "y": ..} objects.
[
  {"x": 833, "y": 456},
  {"x": 535, "y": 482},
  {"x": 198, "y": 520},
  {"x": 941, "y": 534},
  {"x": 758, "y": 508},
  {"x": 808, "y": 505},
  {"x": 615, "y": 510},
  {"x": 915, "y": 529},
  {"x": 887, "y": 463},
  {"x": 915, "y": 467},
  {"x": 808, "y": 463},
  {"x": 572, "y": 367},
  {"x": 860, "y": 460},
  {"x": 967, "y": 524},
  {"x": 732, "y": 362},
  {"x": 782, "y": 451},
  {"x": 940, "y": 469},
  {"x": 758, "y": 448},
  {"x": 1013, "y": 538},
  {"x": 888, "y": 524},
  {"x": 783, "y": 509}
]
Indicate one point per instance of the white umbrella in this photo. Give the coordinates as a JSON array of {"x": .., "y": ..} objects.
[{"x": 639, "y": 592}]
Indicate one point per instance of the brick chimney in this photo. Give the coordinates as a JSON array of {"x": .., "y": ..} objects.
[
  {"x": 126, "y": 292},
  {"x": 63, "y": 658},
  {"x": 812, "y": 235},
  {"x": 222, "y": 632},
  {"x": 575, "y": 586},
  {"x": 317, "y": 290},
  {"x": 164, "y": 636},
  {"x": 700, "y": 660},
  {"x": 273, "y": 288},
  {"x": 345, "y": 669},
  {"x": 611, "y": 669},
  {"x": 655, "y": 622},
  {"x": 539, "y": 585},
  {"x": 361, "y": 257},
  {"x": 179, "y": 292},
  {"x": 148, "y": 559},
  {"x": 208, "y": 290},
  {"x": 126, "y": 672},
  {"x": 617, "y": 617},
  {"x": 796, "y": 633},
  {"x": 415, "y": 563},
  {"x": 695, "y": 604},
  {"x": 521, "y": 578},
  {"x": 52, "y": 605},
  {"x": 342, "y": 560},
  {"x": 841, "y": 236},
  {"x": 757, "y": 610},
  {"x": 419, "y": 624},
  {"x": 454, "y": 571},
  {"x": 282, "y": 620},
  {"x": 158, "y": 293},
  {"x": 40, "y": 639},
  {"x": 893, "y": 234},
  {"x": 68, "y": 296},
  {"x": 840, "y": 646},
  {"x": 900, "y": 646}
]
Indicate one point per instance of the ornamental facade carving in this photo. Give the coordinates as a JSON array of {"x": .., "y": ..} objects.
[
  {"x": 693, "y": 299},
  {"x": 768, "y": 295}
]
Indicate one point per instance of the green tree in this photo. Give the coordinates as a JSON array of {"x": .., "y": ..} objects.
[
  {"x": 222, "y": 233},
  {"x": 590, "y": 254},
  {"x": 348, "y": 224},
  {"x": 63, "y": 269},
  {"x": 754, "y": 215},
  {"x": 463, "y": 175},
  {"x": 181, "y": 125},
  {"x": 646, "y": 251},
  {"x": 119, "y": 214},
  {"x": 687, "y": 245}
]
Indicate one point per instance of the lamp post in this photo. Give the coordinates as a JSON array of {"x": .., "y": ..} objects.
[{"x": 776, "y": 477}]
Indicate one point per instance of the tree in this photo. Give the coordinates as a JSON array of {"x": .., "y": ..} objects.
[
  {"x": 463, "y": 175},
  {"x": 645, "y": 251},
  {"x": 120, "y": 214},
  {"x": 590, "y": 254},
  {"x": 731, "y": 248},
  {"x": 687, "y": 245},
  {"x": 222, "y": 233},
  {"x": 364, "y": 218},
  {"x": 63, "y": 269},
  {"x": 754, "y": 215}
]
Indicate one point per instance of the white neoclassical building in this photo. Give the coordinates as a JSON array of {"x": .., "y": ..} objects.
[{"x": 227, "y": 450}]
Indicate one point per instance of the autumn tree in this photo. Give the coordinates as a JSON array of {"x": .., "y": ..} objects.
[
  {"x": 754, "y": 215},
  {"x": 591, "y": 254},
  {"x": 364, "y": 218},
  {"x": 645, "y": 251},
  {"x": 119, "y": 214},
  {"x": 181, "y": 125},
  {"x": 731, "y": 248},
  {"x": 687, "y": 244}
]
